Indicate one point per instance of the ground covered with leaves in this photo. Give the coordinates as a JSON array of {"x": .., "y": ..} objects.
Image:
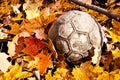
[{"x": 26, "y": 52}]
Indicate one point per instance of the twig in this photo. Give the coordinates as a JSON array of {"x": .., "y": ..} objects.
[
  {"x": 3, "y": 40},
  {"x": 98, "y": 9}
]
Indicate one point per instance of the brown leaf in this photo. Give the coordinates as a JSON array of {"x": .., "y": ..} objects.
[
  {"x": 20, "y": 45},
  {"x": 106, "y": 60}
]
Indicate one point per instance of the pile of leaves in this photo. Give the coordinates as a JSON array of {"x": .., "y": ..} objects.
[{"x": 26, "y": 52}]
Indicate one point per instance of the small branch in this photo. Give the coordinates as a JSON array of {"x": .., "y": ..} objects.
[{"x": 98, "y": 9}]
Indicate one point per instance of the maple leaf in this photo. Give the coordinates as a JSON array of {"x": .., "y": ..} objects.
[
  {"x": 44, "y": 61},
  {"x": 33, "y": 45}
]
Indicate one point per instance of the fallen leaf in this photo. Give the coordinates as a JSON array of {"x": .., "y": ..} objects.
[
  {"x": 18, "y": 17},
  {"x": 104, "y": 76},
  {"x": 31, "y": 25},
  {"x": 114, "y": 36},
  {"x": 11, "y": 48},
  {"x": 116, "y": 54},
  {"x": 2, "y": 34},
  {"x": 33, "y": 45},
  {"x": 40, "y": 34},
  {"x": 5, "y": 8},
  {"x": 31, "y": 9},
  {"x": 106, "y": 60},
  {"x": 16, "y": 73},
  {"x": 78, "y": 74},
  {"x": 116, "y": 27},
  {"x": 4, "y": 63},
  {"x": 14, "y": 28},
  {"x": 44, "y": 61},
  {"x": 20, "y": 45}
]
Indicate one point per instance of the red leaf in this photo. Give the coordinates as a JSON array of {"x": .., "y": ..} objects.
[{"x": 33, "y": 45}]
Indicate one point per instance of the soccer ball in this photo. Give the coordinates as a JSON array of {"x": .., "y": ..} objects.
[{"x": 74, "y": 33}]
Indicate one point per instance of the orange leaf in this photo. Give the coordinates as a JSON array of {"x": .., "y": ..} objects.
[
  {"x": 44, "y": 61},
  {"x": 14, "y": 29},
  {"x": 33, "y": 45},
  {"x": 31, "y": 25}
]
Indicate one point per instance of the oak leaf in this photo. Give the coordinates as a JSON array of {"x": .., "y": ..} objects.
[{"x": 33, "y": 45}]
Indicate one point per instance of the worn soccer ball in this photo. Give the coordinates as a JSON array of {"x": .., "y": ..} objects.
[{"x": 74, "y": 33}]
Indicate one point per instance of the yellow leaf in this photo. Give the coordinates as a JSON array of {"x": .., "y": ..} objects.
[
  {"x": 59, "y": 74},
  {"x": 78, "y": 74},
  {"x": 115, "y": 37},
  {"x": 14, "y": 29},
  {"x": 116, "y": 54},
  {"x": 98, "y": 69},
  {"x": 32, "y": 13},
  {"x": 23, "y": 75},
  {"x": 48, "y": 76},
  {"x": 104, "y": 76},
  {"x": 18, "y": 17},
  {"x": 31, "y": 9},
  {"x": 4, "y": 8},
  {"x": 16, "y": 73},
  {"x": 117, "y": 77}
]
